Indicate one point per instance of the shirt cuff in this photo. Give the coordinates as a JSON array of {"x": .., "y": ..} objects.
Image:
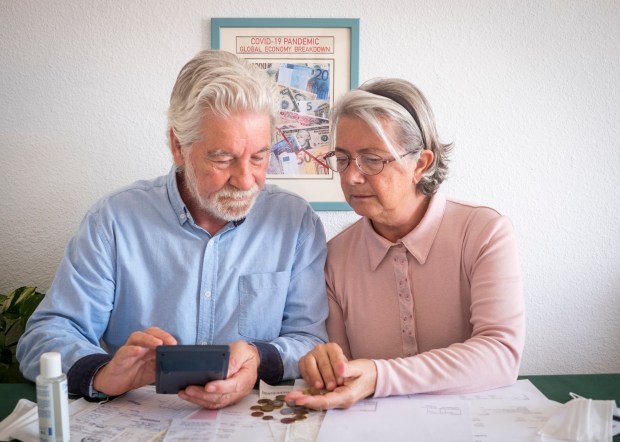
[
  {"x": 271, "y": 368},
  {"x": 81, "y": 374}
]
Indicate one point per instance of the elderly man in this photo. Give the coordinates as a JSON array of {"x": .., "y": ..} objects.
[{"x": 208, "y": 254}]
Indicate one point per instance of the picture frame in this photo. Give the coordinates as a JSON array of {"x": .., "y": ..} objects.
[{"x": 314, "y": 61}]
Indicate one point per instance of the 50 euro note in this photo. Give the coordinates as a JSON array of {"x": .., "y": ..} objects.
[
  {"x": 305, "y": 162},
  {"x": 299, "y": 151}
]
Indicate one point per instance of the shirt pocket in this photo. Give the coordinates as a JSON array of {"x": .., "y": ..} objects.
[{"x": 262, "y": 297}]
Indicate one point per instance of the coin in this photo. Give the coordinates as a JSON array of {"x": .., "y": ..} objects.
[
  {"x": 291, "y": 412},
  {"x": 312, "y": 391},
  {"x": 280, "y": 397}
]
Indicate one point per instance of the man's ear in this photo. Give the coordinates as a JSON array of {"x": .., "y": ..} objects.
[
  {"x": 175, "y": 147},
  {"x": 424, "y": 162}
]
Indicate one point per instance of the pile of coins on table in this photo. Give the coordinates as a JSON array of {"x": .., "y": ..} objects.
[{"x": 287, "y": 412}]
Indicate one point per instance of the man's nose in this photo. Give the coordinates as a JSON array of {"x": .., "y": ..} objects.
[{"x": 242, "y": 177}]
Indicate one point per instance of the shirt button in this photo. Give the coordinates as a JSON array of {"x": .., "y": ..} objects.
[
  {"x": 208, "y": 294},
  {"x": 182, "y": 217}
]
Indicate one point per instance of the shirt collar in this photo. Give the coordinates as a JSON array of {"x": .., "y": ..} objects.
[
  {"x": 179, "y": 207},
  {"x": 418, "y": 242}
]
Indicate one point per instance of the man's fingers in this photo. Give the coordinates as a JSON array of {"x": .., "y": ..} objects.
[
  {"x": 133, "y": 365},
  {"x": 211, "y": 401},
  {"x": 151, "y": 337},
  {"x": 142, "y": 339},
  {"x": 242, "y": 355},
  {"x": 127, "y": 355},
  {"x": 216, "y": 394}
]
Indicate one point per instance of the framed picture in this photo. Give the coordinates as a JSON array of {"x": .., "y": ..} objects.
[{"x": 313, "y": 61}]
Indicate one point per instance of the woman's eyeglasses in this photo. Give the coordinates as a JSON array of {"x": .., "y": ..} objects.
[{"x": 367, "y": 163}]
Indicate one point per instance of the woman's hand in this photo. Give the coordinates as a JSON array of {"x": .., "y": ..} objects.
[
  {"x": 319, "y": 366},
  {"x": 359, "y": 380}
]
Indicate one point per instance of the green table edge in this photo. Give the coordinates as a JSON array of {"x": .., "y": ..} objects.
[{"x": 605, "y": 386}]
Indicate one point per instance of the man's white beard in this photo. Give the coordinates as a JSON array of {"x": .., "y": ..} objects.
[{"x": 228, "y": 204}]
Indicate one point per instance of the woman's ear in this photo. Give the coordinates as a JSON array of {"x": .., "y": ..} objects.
[
  {"x": 424, "y": 162},
  {"x": 175, "y": 147}
]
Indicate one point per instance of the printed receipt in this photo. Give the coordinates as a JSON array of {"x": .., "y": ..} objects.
[
  {"x": 144, "y": 415},
  {"x": 236, "y": 423},
  {"x": 140, "y": 414},
  {"x": 509, "y": 414}
]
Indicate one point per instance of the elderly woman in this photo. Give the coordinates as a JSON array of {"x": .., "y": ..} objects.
[{"x": 425, "y": 292}]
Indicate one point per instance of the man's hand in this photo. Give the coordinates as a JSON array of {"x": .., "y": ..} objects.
[
  {"x": 359, "y": 381},
  {"x": 242, "y": 374},
  {"x": 133, "y": 365}
]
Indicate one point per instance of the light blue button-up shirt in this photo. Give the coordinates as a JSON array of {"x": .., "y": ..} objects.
[{"x": 139, "y": 260}]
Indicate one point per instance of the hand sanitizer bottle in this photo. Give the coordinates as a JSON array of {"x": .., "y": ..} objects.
[{"x": 52, "y": 400}]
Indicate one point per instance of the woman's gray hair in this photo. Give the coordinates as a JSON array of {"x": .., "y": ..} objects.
[
  {"x": 399, "y": 102},
  {"x": 221, "y": 84}
]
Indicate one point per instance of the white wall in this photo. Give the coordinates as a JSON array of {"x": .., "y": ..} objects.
[{"x": 528, "y": 90}]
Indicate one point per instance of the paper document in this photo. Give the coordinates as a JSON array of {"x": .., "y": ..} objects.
[
  {"x": 399, "y": 418},
  {"x": 140, "y": 414},
  {"x": 237, "y": 424},
  {"x": 508, "y": 414},
  {"x": 23, "y": 422},
  {"x": 143, "y": 415},
  {"x": 199, "y": 426}
]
